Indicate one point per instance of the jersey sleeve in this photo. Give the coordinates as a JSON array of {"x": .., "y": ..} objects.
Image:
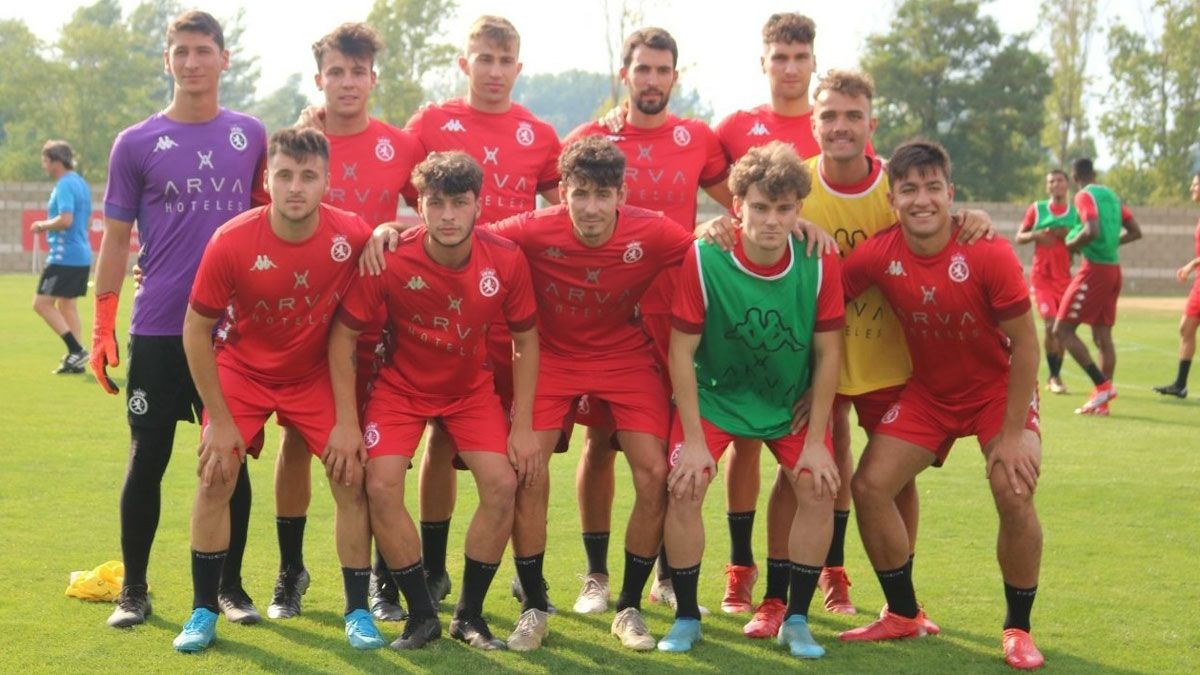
[
  {"x": 1086, "y": 206},
  {"x": 511, "y": 228},
  {"x": 1126, "y": 214},
  {"x": 548, "y": 177},
  {"x": 716, "y": 165},
  {"x": 62, "y": 200},
  {"x": 856, "y": 270},
  {"x": 258, "y": 194},
  {"x": 1030, "y": 219},
  {"x": 362, "y": 301},
  {"x": 1004, "y": 282},
  {"x": 688, "y": 309},
  {"x": 724, "y": 131},
  {"x": 520, "y": 306},
  {"x": 213, "y": 287},
  {"x": 124, "y": 188},
  {"x": 676, "y": 241},
  {"x": 831, "y": 301}
]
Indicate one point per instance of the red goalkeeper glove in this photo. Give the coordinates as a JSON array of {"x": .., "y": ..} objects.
[{"x": 104, "y": 341}]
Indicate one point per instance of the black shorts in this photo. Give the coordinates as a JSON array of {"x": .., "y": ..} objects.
[
  {"x": 64, "y": 281},
  {"x": 159, "y": 391}
]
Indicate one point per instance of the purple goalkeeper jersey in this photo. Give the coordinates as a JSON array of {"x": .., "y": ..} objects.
[{"x": 179, "y": 182}]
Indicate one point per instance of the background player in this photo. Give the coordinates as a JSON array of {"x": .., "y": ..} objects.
[
  {"x": 179, "y": 174},
  {"x": 1046, "y": 224},
  {"x": 1191, "y": 314}
]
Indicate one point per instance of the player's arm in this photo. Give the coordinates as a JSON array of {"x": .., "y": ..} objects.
[
  {"x": 110, "y": 274},
  {"x": 1184, "y": 272},
  {"x": 344, "y": 455},
  {"x": 551, "y": 195},
  {"x": 720, "y": 193},
  {"x": 221, "y": 446},
  {"x": 522, "y": 444},
  {"x": 1026, "y": 234},
  {"x": 1020, "y": 461},
  {"x": 826, "y": 365},
  {"x": 1131, "y": 231},
  {"x": 1089, "y": 216},
  {"x": 976, "y": 225},
  {"x": 694, "y": 467},
  {"x": 62, "y": 221}
]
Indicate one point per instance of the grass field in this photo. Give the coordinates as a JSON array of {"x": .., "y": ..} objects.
[{"x": 1118, "y": 498}]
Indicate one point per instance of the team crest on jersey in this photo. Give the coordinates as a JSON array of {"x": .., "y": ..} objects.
[
  {"x": 371, "y": 435},
  {"x": 959, "y": 272},
  {"x": 489, "y": 283},
  {"x": 681, "y": 136},
  {"x": 525, "y": 133},
  {"x": 137, "y": 402},
  {"x": 633, "y": 252},
  {"x": 237, "y": 138},
  {"x": 384, "y": 151},
  {"x": 340, "y": 251},
  {"x": 891, "y": 415}
]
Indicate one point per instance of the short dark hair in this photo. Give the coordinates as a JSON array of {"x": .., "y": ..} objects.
[
  {"x": 299, "y": 144},
  {"x": 1058, "y": 172},
  {"x": 652, "y": 38},
  {"x": 775, "y": 168},
  {"x": 921, "y": 154},
  {"x": 495, "y": 29},
  {"x": 356, "y": 40},
  {"x": 448, "y": 173},
  {"x": 196, "y": 21},
  {"x": 593, "y": 160},
  {"x": 59, "y": 151},
  {"x": 789, "y": 28},
  {"x": 1083, "y": 168},
  {"x": 847, "y": 83}
]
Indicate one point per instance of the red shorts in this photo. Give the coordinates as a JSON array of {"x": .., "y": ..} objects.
[
  {"x": 1091, "y": 297},
  {"x": 634, "y": 394},
  {"x": 921, "y": 420},
  {"x": 1048, "y": 294},
  {"x": 500, "y": 357},
  {"x": 306, "y": 406},
  {"x": 786, "y": 449},
  {"x": 1193, "y": 302},
  {"x": 871, "y": 406},
  {"x": 395, "y": 422}
]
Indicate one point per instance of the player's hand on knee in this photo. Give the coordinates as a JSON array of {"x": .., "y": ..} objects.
[
  {"x": 524, "y": 455},
  {"x": 818, "y": 239},
  {"x": 976, "y": 224},
  {"x": 693, "y": 469},
  {"x": 1020, "y": 459},
  {"x": 344, "y": 455},
  {"x": 800, "y": 411},
  {"x": 815, "y": 457},
  {"x": 720, "y": 231},
  {"x": 221, "y": 452}
]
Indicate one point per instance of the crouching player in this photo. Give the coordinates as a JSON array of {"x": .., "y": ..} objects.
[
  {"x": 443, "y": 285},
  {"x": 966, "y": 315},
  {"x": 281, "y": 270},
  {"x": 753, "y": 328}
]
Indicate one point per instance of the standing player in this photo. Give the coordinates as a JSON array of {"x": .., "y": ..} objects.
[
  {"x": 443, "y": 286},
  {"x": 69, "y": 214},
  {"x": 179, "y": 174},
  {"x": 281, "y": 270},
  {"x": 1191, "y": 314},
  {"x": 1091, "y": 297},
  {"x": 753, "y": 329},
  {"x": 1046, "y": 224},
  {"x": 965, "y": 313}
]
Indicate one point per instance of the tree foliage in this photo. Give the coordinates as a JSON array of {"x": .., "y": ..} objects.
[
  {"x": 281, "y": 107},
  {"x": 411, "y": 32},
  {"x": 1071, "y": 25}
]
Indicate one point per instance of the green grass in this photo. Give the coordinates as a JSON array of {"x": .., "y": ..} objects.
[{"x": 1118, "y": 500}]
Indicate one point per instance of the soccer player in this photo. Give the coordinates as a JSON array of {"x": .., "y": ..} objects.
[
  {"x": 966, "y": 315},
  {"x": 69, "y": 214},
  {"x": 1191, "y": 314},
  {"x": 753, "y": 328},
  {"x": 444, "y": 284},
  {"x": 281, "y": 271},
  {"x": 370, "y": 164},
  {"x": 179, "y": 174},
  {"x": 1091, "y": 297},
  {"x": 1046, "y": 224}
]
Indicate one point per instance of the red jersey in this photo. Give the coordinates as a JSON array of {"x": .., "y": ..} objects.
[
  {"x": 745, "y": 129},
  {"x": 1197, "y": 235},
  {"x": 950, "y": 305},
  {"x": 438, "y": 316},
  {"x": 1051, "y": 262},
  {"x": 664, "y": 168},
  {"x": 518, "y": 152},
  {"x": 586, "y": 296},
  {"x": 368, "y": 170},
  {"x": 281, "y": 295}
]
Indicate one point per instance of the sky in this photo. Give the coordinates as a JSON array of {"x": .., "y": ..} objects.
[{"x": 718, "y": 53}]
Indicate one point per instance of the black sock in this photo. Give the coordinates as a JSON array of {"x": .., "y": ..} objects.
[
  {"x": 779, "y": 576},
  {"x": 898, "y": 589},
  {"x": 909, "y": 564},
  {"x": 73, "y": 345},
  {"x": 1181, "y": 378},
  {"x": 354, "y": 583},
  {"x": 596, "y": 545},
  {"x": 803, "y": 583},
  {"x": 685, "y": 581},
  {"x": 206, "y": 579},
  {"x": 664, "y": 567},
  {"x": 411, "y": 582},
  {"x": 434, "y": 535},
  {"x": 1094, "y": 373},
  {"x": 477, "y": 578},
  {"x": 1055, "y": 362},
  {"x": 239, "y": 528},
  {"x": 149, "y": 453},
  {"x": 741, "y": 529},
  {"x": 1020, "y": 604},
  {"x": 637, "y": 571},
  {"x": 290, "y": 532},
  {"x": 529, "y": 572},
  {"x": 837, "y": 546}
]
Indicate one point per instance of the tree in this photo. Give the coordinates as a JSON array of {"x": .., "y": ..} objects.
[
  {"x": 410, "y": 31},
  {"x": 148, "y": 22},
  {"x": 944, "y": 72},
  {"x": 29, "y": 113},
  {"x": 565, "y": 99},
  {"x": 1155, "y": 117},
  {"x": 240, "y": 82},
  {"x": 281, "y": 107},
  {"x": 1071, "y": 24}
]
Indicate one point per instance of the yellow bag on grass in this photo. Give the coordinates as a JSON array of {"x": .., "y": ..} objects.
[{"x": 102, "y": 584}]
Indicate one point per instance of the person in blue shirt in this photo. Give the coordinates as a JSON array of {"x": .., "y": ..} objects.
[{"x": 69, "y": 262}]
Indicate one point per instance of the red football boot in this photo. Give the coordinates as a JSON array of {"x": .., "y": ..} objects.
[{"x": 1019, "y": 650}]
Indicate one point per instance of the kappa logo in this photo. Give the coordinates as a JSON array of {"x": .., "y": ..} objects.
[
  {"x": 764, "y": 331},
  {"x": 237, "y": 138},
  {"x": 384, "y": 151},
  {"x": 896, "y": 269},
  {"x": 341, "y": 250},
  {"x": 489, "y": 283},
  {"x": 165, "y": 143},
  {"x": 205, "y": 160},
  {"x": 262, "y": 263},
  {"x": 416, "y": 283},
  {"x": 681, "y": 136},
  {"x": 554, "y": 252},
  {"x": 137, "y": 402},
  {"x": 615, "y": 138},
  {"x": 927, "y": 295},
  {"x": 759, "y": 129},
  {"x": 491, "y": 155},
  {"x": 371, "y": 435},
  {"x": 633, "y": 252},
  {"x": 454, "y": 125},
  {"x": 525, "y": 134},
  {"x": 891, "y": 415},
  {"x": 959, "y": 272}
]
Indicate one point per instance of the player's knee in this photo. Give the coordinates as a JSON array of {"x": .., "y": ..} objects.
[
  {"x": 864, "y": 487},
  {"x": 499, "y": 491},
  {"x": 353, "y": 496},
  {"x": 1010, "y": 505},
  {"x": 383, "y": 490},
  {"x": 650, "y": 477},
  {"x": 217, "y": 492}
]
